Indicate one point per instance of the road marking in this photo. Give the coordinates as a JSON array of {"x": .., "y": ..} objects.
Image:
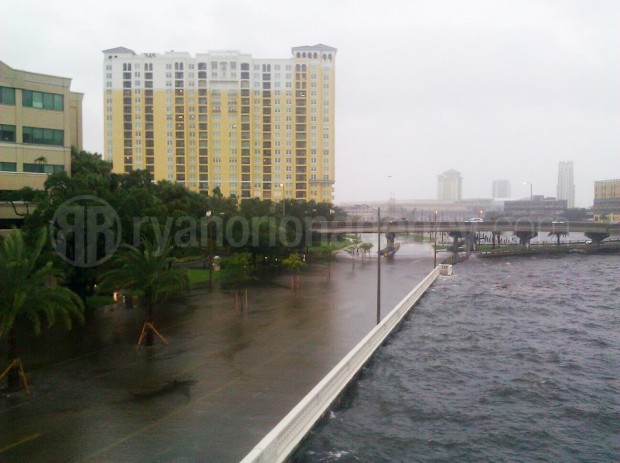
[{"x": 20, "y": 442}]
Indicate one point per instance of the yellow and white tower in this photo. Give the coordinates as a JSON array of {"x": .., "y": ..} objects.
[{"x": 253, "y": 127}]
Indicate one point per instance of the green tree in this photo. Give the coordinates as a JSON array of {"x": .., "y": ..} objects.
[
  {"x": 328, "y": 254},
  {"x": 28, "y": 293},
  {"x": 83, "y": 162},
  {"x": 295, "y": 264},
  {"x": 237, "y": 269},
  {"x": 365, "y": 248},
  {"x": 148, "y": 270},
  {"x": 353, "y": 250}
]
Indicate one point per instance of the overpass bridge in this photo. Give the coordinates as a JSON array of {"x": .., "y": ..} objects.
[{"x": 525, "y": 229}]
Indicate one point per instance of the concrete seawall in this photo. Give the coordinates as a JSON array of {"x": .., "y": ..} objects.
[{"x": 282, "y": 440}]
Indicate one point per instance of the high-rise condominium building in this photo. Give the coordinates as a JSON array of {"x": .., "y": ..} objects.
[
  {"x": 449, "y": 186},
  {"x": 252, "y": 127},
  {"x": 501, "y": 189},
  {"x": 40, "y": 119},
  {"x": 566, "y": 184}
]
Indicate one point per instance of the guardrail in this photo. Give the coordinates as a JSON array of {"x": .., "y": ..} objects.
[{"x": 288, "y": 433}]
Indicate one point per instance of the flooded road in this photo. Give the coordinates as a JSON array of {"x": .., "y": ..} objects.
[{"x": 225, "y": 381}]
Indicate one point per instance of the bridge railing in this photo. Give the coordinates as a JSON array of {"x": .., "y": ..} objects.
[{"x": 288, "y": 433}]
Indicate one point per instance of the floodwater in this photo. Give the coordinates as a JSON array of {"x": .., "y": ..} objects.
[
  {"x": 508, "y": 360},
  {"x": 225, "y": 380}
]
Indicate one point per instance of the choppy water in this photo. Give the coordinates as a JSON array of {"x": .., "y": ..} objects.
[{"x": 512, "y": 360}]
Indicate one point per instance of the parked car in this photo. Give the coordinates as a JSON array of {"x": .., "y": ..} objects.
[{"x": 474, "y": 220}]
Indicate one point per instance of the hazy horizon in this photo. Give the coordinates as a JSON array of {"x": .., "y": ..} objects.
[{"x": 492, "y": 89}]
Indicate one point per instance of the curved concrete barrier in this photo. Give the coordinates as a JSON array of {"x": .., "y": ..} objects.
[{"x": 288, "y": 433}]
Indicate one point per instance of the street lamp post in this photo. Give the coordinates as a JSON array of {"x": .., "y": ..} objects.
[
  {"x": 435, "y": 243},
  {"x": 378, "y": 265},
  {"x": 283, "y": 200},
  {"x": 210, "y": 251},
  {"x": 378, "y": 260}
]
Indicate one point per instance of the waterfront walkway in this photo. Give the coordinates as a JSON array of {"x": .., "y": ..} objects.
[{"x": 225, "y": 381}]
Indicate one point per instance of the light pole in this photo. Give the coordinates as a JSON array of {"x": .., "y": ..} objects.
[
  {"x": 378, "y": 265},
  {"x": 531, "y": 188},
  {"x": 378, "y": 209},
  {"x": 283, "y": 200},
  {"x": 210, "y": 251},
  {"x": 435, "y": 244}
]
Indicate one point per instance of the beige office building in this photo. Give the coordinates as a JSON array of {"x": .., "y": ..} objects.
[
  {"x": 606, "y": 206},
  {"x": 40, "y": 119},
  {"x": 252, "y": 127}
]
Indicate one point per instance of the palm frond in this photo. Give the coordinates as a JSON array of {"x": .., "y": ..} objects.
[
  {"x": 146, "y": 269},
  {"x": 25, "y": 290}
]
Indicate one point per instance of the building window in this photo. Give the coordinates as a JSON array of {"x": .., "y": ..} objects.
[
  {"x": 41, "y": 136},
  {"x": 7, "y": 95},
  {"x": 7, "y": 133},
  {"x": 42, "y": 100},
  {"x": 44, "y": 168},
  {"x": 8, "y": 166}
]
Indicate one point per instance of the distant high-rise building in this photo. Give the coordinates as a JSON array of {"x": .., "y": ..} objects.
[
  {"x": 449, "y": 186},
  {"x": 252, "y": 127},
  {"x": 566, "y": 184},
  {"x": 501, "y": 189}
]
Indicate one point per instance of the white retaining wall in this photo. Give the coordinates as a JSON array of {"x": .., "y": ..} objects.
[{"x": 288, "y": 433}]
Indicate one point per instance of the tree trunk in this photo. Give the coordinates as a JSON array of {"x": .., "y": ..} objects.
[
  {"x": 13, "y": 378},
  {"x": 149, "y": 319}
]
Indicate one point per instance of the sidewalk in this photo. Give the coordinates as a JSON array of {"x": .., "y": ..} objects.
[{"x": 224, "y": 382}]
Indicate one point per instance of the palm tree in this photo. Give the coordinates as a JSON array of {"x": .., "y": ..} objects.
[
  {"x": 27, "y": 293},
  {"x": 148, "y": 270}
]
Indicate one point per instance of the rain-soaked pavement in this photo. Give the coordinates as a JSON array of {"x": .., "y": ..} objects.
[{"x": 225, "y": 380}]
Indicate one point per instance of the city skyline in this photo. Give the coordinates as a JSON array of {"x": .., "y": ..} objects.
[{"x": 491, "y": 90}]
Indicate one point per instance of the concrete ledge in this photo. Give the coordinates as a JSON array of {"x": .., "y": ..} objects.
[{"x": 288, "y": 433}]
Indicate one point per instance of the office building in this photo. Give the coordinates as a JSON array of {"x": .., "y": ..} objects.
[
  {"x": 449, "y": 186},
  {"x": 566, "y": 184},
  {"x": 538, "y": 208},
  {"x": 501, "y": 189},
  {"x": 606, "y": 206},
  {"x": 252, "y": 127},
  {"x": 40, "y": 119}
]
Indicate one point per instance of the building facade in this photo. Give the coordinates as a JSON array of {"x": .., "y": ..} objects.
[
  {"x": 501, "y": 189},
  {"x": 40, "y": 119},
  {"x": 252, "y": 127},
  {"x": 449, "y": 186},
  {"x": 538, "y": 208},
  {"x": 566, "y": 183},
  {"x": 606, "y": 206}
]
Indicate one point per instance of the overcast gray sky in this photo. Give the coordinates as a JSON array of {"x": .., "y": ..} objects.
[{"x": 493, "y": 89}]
